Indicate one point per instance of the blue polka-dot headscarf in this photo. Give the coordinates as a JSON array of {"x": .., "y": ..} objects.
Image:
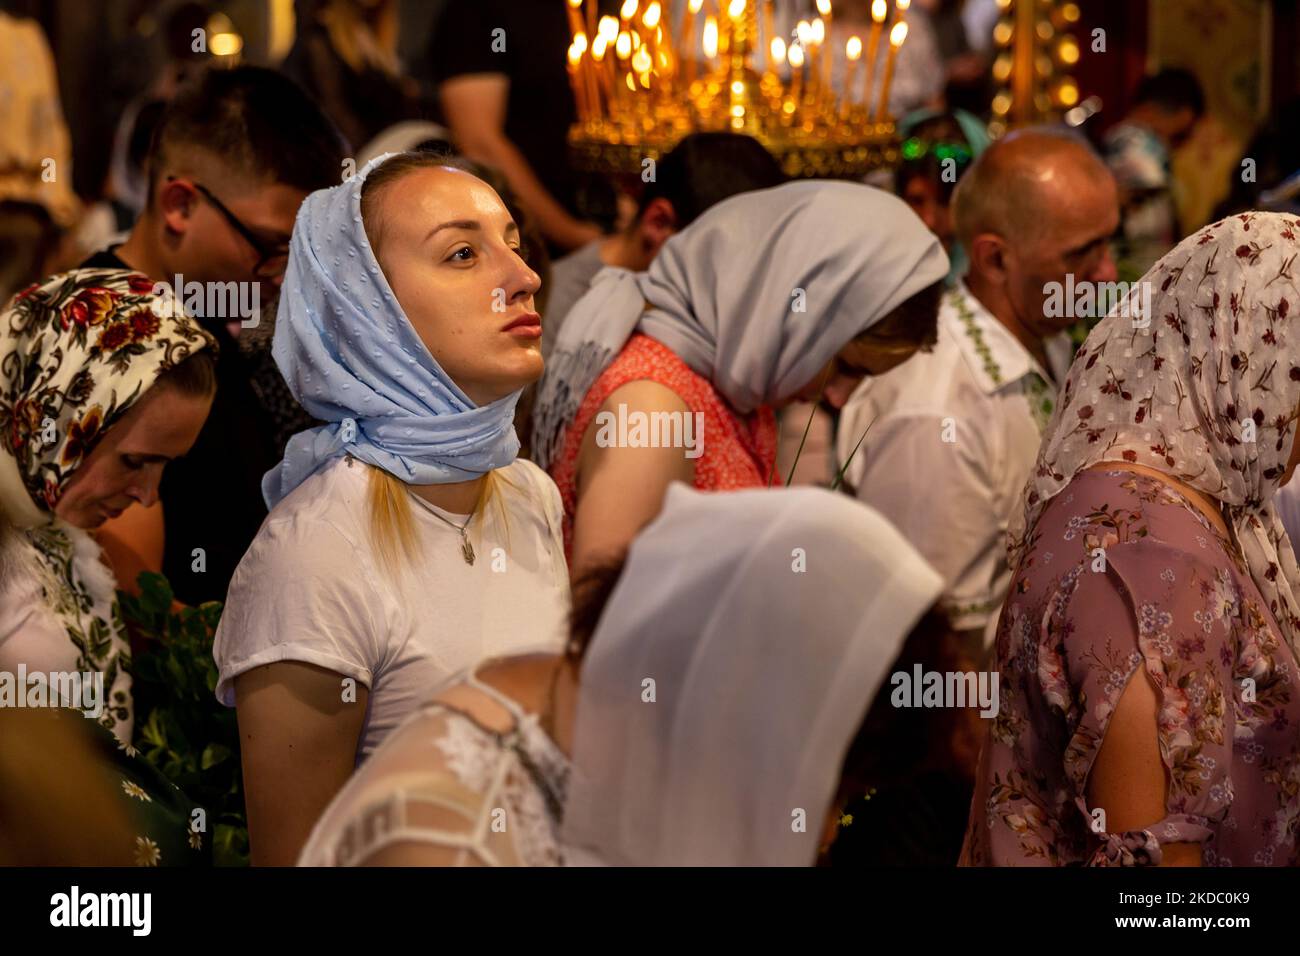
[{"x": 351, "y": 357}]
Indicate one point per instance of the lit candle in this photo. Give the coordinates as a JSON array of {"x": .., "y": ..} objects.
[
  {"x": 901, "y": 7},
  {"x": 599, "y": 47},
  {"x": 626, "y": 13},
  {"x": 796, "y": 73},
  {"x": 828, "y": 71},
  {"x": 735, "y": 11},
  {"x": 817, "y": 37},
  {"x": 623, "y": 50},
  {"x": 896, "y": 37},
  {"x": 575, "y": 80},
  {"x": 769, "y": 31},
  {"x": 688, "y": 38},
  {"x": 575, "y": 18},
  {"x": 852, "y": 53},
  {"x": 879, "y": 9},
  {"x": 710, "y": 40}
]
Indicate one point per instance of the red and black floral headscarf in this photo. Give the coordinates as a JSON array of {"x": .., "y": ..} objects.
[
  {"x": 76, "y": 351},
  {"x": 1206, "y": 391}
]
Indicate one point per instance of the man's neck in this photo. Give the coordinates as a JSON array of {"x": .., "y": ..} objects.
[
  {"x": 623, "y": 250},
  {"x": 139, "y": 253},
  {"x": 995, "y": 301}
]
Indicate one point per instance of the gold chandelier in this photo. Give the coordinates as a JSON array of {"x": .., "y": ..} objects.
[
  {"x": 1036, "y": 54},
  {"x": 639, "y": 88}
]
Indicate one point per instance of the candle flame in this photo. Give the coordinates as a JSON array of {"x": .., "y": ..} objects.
[
  {"x": 651, "y": 16},
  {"x": 623, "y": 46},
  {"x": 778, "y": 50},
  {"x": 575, "y": 3},
  {"x": 736, "y": 9},
  {"x": 898, "y": 35},
  {"x": 853, "y": 48},
  {"x": 628, "y": 10},
  {"x": 818, "y": 32},
  {"x": 824, "y": 7},
  {"x": 694, "y": 6},
  {"x": 580, "y": 42},
  {"x": 574, "y": 55},
  {"x": 641, "y": 61},
  {"x": 879, "y": 8},
  {"x": 710, "y": 36},
  {"x": 796, "y": 56},
  {"x": 598, "y": 47},
  {"x": 903, "y": 5},
  {"x": 608, "y": 29},
  {"x": 801, "y": 30}
]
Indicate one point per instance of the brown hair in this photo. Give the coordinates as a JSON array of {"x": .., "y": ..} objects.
[
  {"x": 915, "y": 322},
  {"x": 195, "y": 375},
  {"x": 389, "y": 172}
]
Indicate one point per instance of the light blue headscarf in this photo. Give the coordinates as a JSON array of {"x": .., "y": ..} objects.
[{"x": 351, "y": 357}]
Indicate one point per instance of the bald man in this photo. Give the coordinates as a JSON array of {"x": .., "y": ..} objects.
[{"x": 954, "y": 433}]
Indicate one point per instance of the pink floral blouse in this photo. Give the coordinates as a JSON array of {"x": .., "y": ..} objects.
[{"x": 1120, "y": 572}]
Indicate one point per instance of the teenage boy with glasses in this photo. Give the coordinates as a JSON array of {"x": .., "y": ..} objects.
[{"x": 232, "y": 160}]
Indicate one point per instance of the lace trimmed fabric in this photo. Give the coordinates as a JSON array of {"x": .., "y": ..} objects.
[{"x": 450, "y": 792}]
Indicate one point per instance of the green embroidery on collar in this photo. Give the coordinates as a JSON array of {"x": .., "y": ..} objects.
[
  {"x": 1042, "y": 400},
  {"x": 976, "y": 336}
]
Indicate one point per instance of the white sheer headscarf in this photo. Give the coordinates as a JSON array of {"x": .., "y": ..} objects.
[
  {"x": 1207, "y": 392},
  {"x": 756, "y": 296},
  {"x": 761, "y": 673}
]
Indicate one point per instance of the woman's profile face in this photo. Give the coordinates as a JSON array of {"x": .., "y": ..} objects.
[{"x": 451, "y": 254}]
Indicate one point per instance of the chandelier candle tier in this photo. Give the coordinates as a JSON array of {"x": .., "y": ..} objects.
[{"x": 639, "y": 87}]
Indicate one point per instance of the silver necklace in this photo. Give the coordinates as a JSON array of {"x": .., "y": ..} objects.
[{"x": 466, "y": 549}]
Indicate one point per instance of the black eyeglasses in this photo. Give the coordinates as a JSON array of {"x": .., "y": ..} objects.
[{"x": 271, "y": 260}]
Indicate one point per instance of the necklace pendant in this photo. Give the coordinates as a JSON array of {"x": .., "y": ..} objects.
[{"x": 466, "y": 549}]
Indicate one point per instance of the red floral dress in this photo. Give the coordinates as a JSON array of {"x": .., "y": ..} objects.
[{"x": 739, "y": 450}]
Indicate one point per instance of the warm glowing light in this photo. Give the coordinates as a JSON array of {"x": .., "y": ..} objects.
[
  {"x": 853, "y": 48},
  {"x": 801, "y": 30},
  {"x": 608, "y": 29},
  {"x": 598, "y": 47},
  {"x": 1070, "y": 13},
  {"x": 778, "y": 50},
  {"x": 651, "y": 16},
  {"x": 710, "y": 39},
  {"x": 1002, "y": 104},
  {"x": 623, "y": 47},
  {"x": 1002, "y": 68},
  {"x": 580, "y": 42},
  {"x": 818, "y": 32},
  {"x": 879, "y": 8},
  {"x": 898, "y": 35},
  {"x": 1068, "y": 51},
  {"x": 796, "y": 57},
  {"x": 631, "y": 83},
  {"x": 1045, "y": 30},
  {"x": 1002, "y": 33},
  {"x": 225, "y": 44},
  {"x": 695, "y": 5},
  {"x": 628, "y": 10},
  {"x": 736, "y": 9},
  {"x": 824, "y": 7},
  {"x": 738, "y": 87},
  {"x": 575, "y": 3},
  {"x": 1067, "y": 93},
  {"x": 903, "y": 5},
  {"x": 574, "y": 54},
  {"x": 641, "y": 61}
]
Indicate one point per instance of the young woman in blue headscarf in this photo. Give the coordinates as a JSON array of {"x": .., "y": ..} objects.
[{"x": 406, "y": 541}]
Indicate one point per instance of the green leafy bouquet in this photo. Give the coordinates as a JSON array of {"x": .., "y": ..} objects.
[{"x": 179, "y": 727}]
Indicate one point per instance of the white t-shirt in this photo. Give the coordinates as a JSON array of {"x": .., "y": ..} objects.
[{"x": 312, "y": 588}]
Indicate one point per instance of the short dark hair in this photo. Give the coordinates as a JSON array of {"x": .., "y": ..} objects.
[
  {"x": 1172, "y": 90},
  {"x": 257, "y": 122},
  {"x": 706, "y": 168}
]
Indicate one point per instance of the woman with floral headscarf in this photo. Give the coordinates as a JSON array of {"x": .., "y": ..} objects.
[
  {"x": 1147, "y": 651},
  {"x": 102, "y": 381}
]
